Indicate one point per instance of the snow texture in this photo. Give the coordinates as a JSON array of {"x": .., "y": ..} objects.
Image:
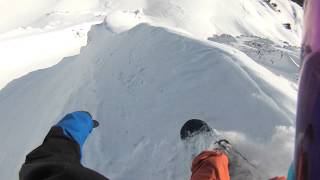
[
  {"x": 49, "y": 30},
  {"x": 146, "y": 68}
]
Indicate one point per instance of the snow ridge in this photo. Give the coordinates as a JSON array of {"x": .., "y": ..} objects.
[{"x": 141, "y": 99}]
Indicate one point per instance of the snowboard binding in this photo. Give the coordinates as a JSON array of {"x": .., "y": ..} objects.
[{"x": 224, "y": 145}]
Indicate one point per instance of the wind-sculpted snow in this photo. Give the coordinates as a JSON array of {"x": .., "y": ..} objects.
[
  {"x": 28, "y": 24},
  {"x": 142, "y": 85}
]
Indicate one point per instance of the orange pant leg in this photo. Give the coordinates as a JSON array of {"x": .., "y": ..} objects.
[
  {"x": 210, "y": 165},
  {"x": 279, "y": 178}
]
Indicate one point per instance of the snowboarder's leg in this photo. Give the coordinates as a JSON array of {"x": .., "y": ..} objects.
[
  {"x": 59, "y": 157},
  {"x": 219, "y": 160},
  {"x": 210, "y": 165}
]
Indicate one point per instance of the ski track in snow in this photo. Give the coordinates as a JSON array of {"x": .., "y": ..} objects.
[{"x": 142, "y": 82}]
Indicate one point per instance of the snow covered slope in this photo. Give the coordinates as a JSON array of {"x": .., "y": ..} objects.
[
  {"x": 281, "y": 60},
  {"x": 249, "y": 17},
  {"x": 40, "y": 49},
  {"x": 202, "y": 20},
  {"x": 43, "y": 32},
  {"x": 142, "y": 85},
  {"x": 35, "y": 13},
  {"x": 24, "y": 20}
]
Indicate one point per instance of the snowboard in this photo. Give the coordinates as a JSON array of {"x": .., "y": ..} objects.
[
  {"x": 194, "y": 127},
  {"x": 197, "y": 136}
]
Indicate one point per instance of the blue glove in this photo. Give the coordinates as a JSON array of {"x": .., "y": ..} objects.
[{"x": 77, "y": 126}]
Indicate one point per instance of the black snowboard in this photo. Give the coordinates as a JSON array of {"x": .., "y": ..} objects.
[{"x": 194, "y": 127}]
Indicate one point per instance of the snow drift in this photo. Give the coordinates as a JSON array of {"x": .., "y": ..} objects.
[{"x": 142, "y": 85}]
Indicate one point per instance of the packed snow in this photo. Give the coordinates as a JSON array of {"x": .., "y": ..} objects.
[{"x": 145, "y": 67}]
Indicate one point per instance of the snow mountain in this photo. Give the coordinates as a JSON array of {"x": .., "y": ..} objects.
[{"x": 46, "y": 31}]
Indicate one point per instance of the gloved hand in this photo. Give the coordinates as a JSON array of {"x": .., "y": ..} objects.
[{"x": 77, "y": 126}]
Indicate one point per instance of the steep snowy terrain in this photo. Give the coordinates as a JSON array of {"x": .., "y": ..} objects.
[
  {"x": 37, "y": 51},
  {"x": 281, "y": 60},
  {"x": 132, "y": 88},
  {"x": 42, "y": 32},
  {"x": 37, "y": 28},
  {"x": 143, "y": 82}
]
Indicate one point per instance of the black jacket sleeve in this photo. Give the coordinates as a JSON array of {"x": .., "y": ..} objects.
[{"x": 58, "y": 158}]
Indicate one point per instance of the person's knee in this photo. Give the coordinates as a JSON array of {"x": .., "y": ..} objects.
[{"x": 210, "y": 165}]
